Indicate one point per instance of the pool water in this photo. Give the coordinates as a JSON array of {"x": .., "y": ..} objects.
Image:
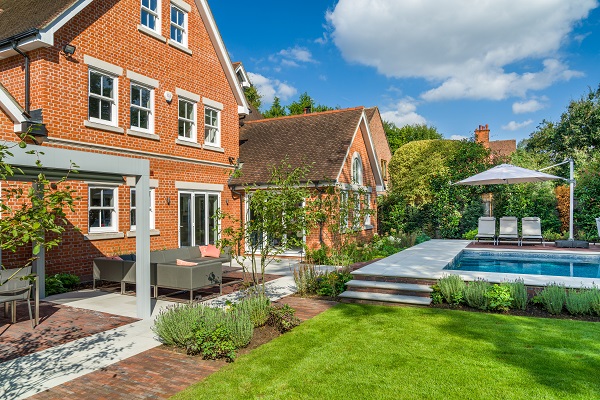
[{"x": 555, "y": 264}]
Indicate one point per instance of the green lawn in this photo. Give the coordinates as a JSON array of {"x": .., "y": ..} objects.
[{"x": 370, "y": 352}]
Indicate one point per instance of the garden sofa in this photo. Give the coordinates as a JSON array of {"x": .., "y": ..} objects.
[{"x": 164, "y": 269}]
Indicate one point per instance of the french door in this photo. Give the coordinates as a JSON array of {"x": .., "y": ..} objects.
[{"x": 197, "y": 224}]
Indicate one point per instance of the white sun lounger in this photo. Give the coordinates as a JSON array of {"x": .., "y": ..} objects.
[
  {"x": 508, "y": 230},
  {"x": 531, "y": 228},
  {"x": 486, "y": 229}
]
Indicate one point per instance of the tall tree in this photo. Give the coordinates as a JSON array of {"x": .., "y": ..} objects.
[
  {"x": 304, "y": 101},
  {"x": 276, "y": 110},
  {"x": 253, "y": 96},
  {"x": 397, "y": 137}
]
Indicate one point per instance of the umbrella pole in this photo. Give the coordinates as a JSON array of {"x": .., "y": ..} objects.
[{"x": 571, "y": 190}]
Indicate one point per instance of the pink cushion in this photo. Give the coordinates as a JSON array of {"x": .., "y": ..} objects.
[
  {"x": 185, "y": 263},
  {"x": 210, "y": 251},
  {"x": 115, "y": 258}
]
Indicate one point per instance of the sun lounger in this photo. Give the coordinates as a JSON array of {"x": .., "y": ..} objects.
[
  {"x": 486, "y": 229},
  {"x": 531, "y": 228},
  {"x": 508, "y": 230}
]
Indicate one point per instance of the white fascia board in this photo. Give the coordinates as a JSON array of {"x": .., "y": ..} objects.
[
  {"x": 217, "y": 41},
  {"x": 144, "y": 80},
  {"x": 10, "y": 106},
  {"x": 47, "y": 34}
]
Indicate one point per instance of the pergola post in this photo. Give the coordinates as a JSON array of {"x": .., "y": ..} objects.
[{"x": 142, "y": 243}]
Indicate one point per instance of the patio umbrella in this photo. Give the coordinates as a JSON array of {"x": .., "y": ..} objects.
[{"x": 507, "y": 174}]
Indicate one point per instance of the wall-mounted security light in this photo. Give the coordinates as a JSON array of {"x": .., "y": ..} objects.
[{"x": 69, "y": 50}]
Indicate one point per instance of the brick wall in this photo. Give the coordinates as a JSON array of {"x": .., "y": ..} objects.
[
  {"x": 380, "y": 141},
  {"x": 108, "y": 30}
]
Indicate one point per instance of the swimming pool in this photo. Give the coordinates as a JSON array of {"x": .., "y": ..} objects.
[{"x": 549, "y": 263}]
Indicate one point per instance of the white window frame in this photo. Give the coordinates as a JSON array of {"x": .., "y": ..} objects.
[
  {"x": 357, "y": 173},
  {"x": 134, "y": 208},
  {"x": 141, "y": 108},
  {"x": 368, "y": 209},
  {"x": 344, "y": 206},
  {"x": 193, "y": 194},
  {"x": 217, "y": 141},
  {"x": 114, "y": 101},
  {"x": 154, "y": 13},
  {"x": 194, "y": 120},
  {"x": 182, "y": 28},
  {"x": 114, "y": 209}
]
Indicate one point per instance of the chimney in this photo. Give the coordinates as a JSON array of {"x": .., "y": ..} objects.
[
  {"x": 307, "y": 110},
  {"x": 482, "y": 135}
]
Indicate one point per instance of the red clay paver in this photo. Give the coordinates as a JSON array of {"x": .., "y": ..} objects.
[
  {"x": 59, "y": 324},
  {"x": 157, "y": 373}
]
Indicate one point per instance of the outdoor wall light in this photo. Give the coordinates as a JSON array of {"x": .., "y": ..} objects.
[
  {"x": 168, "y": 201},
  {"x": 69, "y": 50}
]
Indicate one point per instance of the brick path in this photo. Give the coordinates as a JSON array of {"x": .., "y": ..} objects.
[
  {"x": 157, "y": 373},
  {"x": 58, "y": 325}
]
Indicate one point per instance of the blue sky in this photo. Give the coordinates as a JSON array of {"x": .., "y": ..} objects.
[{"x": 453, "y": 64}]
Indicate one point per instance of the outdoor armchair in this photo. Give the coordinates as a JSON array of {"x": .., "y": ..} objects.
[
  {"x": 508, "y": 230},
  {"x": 17, "y": 289},
  {"x": 531, "y": 229},
  {"x": 486, "y": 229}
]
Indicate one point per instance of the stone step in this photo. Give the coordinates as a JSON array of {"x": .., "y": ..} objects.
[
  {"x": 357, "y": 275},
  {"x": 384, "y": 298},
  {"x": 401, "y": 287}
]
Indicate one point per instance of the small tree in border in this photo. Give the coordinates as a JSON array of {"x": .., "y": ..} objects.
[
  {"x": 277, "y": 220},
  {"x": 29, "y": 215}
]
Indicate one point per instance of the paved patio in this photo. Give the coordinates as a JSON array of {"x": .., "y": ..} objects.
[{"x": 41, "y": 370}]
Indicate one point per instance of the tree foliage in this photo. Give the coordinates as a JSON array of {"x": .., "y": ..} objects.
[
  {"x": 397, "y": 137},
  {"x": 253, "y": 96},
  {"x": 32, "y": 216},
  {"x": 295, "y": 107},
  {"x": 276, "y": 110}
]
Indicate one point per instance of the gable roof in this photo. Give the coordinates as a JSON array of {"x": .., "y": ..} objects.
[{"x": 320, "y": 140}]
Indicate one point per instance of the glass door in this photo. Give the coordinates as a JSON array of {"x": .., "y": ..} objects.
[
  {"x": 197, "y": 225},
  {"x": 185, "y": 219},
  {"x": 199, "y": 219}
]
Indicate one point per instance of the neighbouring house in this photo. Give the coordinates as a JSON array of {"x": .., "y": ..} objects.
[
  {"x": 498, "y": 148},
  {"x": 382, "y": 146},
  {"x": 148, "y": 80},
  {"x": 337, "y": 145},
  {"x": 244, "y": 81}
]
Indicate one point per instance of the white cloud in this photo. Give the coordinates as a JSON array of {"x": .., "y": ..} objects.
[
  {"x": 513, "y": 125},
  {"x": 458, "y": 137},
  {"x": 293, "y": 57},
  {"x": 522, "y": 107},
  {"x": 404, "y": 113},
  {"x": 270, "y": 88},
  {"x": 463, "y": 48}
]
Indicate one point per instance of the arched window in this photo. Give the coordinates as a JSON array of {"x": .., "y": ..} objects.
[{"x": 357, "y": 170}]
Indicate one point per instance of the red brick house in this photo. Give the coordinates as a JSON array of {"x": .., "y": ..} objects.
[
  {"x": 498, "y": 148},
  {"x": 338, "y": 145},
  {"x": 146, "y": 79},
  {"x": 382, "y": 146}
]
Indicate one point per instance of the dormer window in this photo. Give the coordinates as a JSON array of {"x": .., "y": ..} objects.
[
  {"x": 150, "y": 15},
  {"x": 357, "y": 170}
]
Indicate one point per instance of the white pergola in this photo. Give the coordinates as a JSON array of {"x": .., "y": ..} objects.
[{"x": 99, "y": 168}]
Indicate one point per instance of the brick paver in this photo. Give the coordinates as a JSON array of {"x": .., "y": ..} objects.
[
  {"x": 58, "y": 325},
  {"x": 157, "y": 373}
]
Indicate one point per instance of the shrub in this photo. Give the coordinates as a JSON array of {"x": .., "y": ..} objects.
[
  {"x": 470, "y": 235},
  {"x": 60, "y": 283},
  {"x": 518, "y": 292},
  {"x": 579, "y": 302},
  {"x": 257, "y": 306},
  {"x": 475, "y": 294},
  {"x": 452, "y": 288},
  {"x": 595, "y": 300},
  {"x": 499, "y": 297},
  {"x": 436, "y": 294},
  {"x": 307, "y": 278},
  {"x": 282, "y": 318},
  {"x": 422, "y": 237},
  {"x": 69, "y": 281},
  {"x": 211, "y": 344},
  {"x": 175, "y": 325},
  {"x": 553, "y": 298},
  {"x": 318, "y": 256},
  {"x": 333, "y": 283}
]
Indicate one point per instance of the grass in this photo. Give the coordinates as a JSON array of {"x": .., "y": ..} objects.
[{"x": 371, "y": 352}]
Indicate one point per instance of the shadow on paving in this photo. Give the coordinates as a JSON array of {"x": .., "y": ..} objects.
[{"x": 21, "y": 375}]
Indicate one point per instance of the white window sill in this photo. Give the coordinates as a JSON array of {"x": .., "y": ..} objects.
[
  {"x": 189, "y": 144},
  {"x": 153, "y": 232},
  {"x": 145, "y": 135},
  {"x": 103, "y": 127},
  {"x": 104, "y": 235},
  {"x": 151, "y": 33},
  {"x": 213, "y": 148},
  {"x": 179, "y": 46}
]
